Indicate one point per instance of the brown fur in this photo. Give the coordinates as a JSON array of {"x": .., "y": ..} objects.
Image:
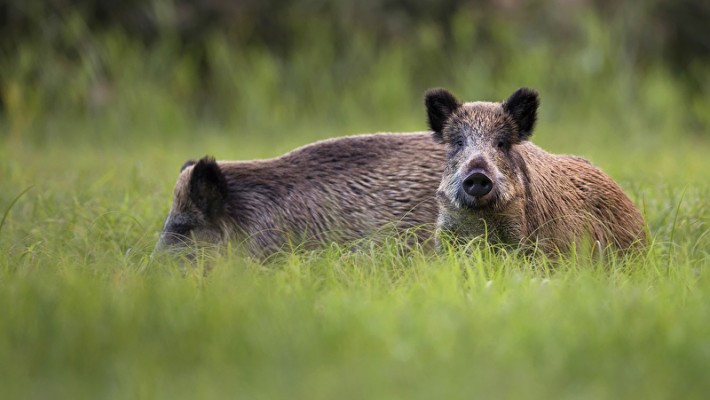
[
  {"x": 538, "y": 198},
  {"x": 337, "y": 190}
]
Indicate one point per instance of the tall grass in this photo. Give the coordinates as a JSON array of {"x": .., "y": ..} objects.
[{"x": 99, "y": 138}]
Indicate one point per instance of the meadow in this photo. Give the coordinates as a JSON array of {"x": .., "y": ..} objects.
[{"x": 87, "y": 165}]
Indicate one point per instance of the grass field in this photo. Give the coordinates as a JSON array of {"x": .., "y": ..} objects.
[{"x": 86, "y": 315}]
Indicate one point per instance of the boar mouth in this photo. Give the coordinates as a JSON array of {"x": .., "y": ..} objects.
[
  {"x": 468, "y": 202},
  {"x": 487, "y": 201}
]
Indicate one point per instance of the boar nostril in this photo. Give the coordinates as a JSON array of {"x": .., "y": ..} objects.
[{"x": 477, "y": 184}]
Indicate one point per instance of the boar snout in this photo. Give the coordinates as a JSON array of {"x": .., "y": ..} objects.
[{"x": 477, "y": 183}]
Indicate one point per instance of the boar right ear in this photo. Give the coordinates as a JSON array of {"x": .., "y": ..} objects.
[
  {"x": 440, "y": 104},
  {"x": 208, "y": 187},
  {"x": 522, "y": 106}
]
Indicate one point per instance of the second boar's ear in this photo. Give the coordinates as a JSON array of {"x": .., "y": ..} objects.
[
  {"x": 208, "y": 187},
  {"x": 522, "y": 106},
  {"x": 440, "y": 104}
]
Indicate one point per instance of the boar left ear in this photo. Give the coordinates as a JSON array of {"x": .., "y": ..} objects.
[
  {"x": 522, "y": 106},
  {"x": 440, "y": 104},
  {"x": 208, "y": 187}
]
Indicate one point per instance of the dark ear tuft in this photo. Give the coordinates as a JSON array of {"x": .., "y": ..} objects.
[
  {"x": 188, "y": 163},
  {"x": 522, "y": 106},
  {"x": 440, "y": 103},
  {"x": 208, "y": 187}
]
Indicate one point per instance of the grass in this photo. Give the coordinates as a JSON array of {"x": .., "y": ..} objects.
[{"x": 85, "y": 314}]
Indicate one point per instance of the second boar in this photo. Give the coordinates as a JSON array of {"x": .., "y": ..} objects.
[{"x": 332, "y": 191}]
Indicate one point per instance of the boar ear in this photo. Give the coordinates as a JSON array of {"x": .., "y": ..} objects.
[
  {"x": 188, "y": 163},
  {"x": 208, "y": 187},
  {"x": 440, "y": 103},
  {"x": 522, "y": 106}
]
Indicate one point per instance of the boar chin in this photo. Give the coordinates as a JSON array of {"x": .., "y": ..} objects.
[{"x": 490, "y": 201}]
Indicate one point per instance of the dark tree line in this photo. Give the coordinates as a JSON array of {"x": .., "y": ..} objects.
[{"x": 675, "y": 29}]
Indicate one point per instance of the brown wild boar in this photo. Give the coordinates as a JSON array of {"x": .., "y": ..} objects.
[
  {"x": 338, "y": 190},
  {"x": 499, "y": 186}
]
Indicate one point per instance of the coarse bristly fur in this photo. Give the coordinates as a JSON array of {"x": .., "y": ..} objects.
[
  {"x": 499, "y": 186},
  {"x": 333, "y": 191}
]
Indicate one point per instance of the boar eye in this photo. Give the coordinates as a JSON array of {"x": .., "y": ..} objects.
[
  {"x": 501, "y": 144},
  {"x": 458, "y": 143},
  {"x": 182, "y": 230}
]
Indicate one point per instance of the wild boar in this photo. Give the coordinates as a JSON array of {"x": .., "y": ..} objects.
[
  {"x": 498, "y": 185},
  {"x": 333, "y": 191}
]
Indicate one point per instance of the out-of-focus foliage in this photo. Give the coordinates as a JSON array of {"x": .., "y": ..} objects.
[
  {"x": 261, "y": 64},
  {"x": 674, "y": 29}
]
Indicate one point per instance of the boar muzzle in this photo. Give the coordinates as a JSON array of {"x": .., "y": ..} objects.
[{"x": 477, "y": 183}]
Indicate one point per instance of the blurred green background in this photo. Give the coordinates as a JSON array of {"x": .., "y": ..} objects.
[{"x": 169, "y": 69}]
